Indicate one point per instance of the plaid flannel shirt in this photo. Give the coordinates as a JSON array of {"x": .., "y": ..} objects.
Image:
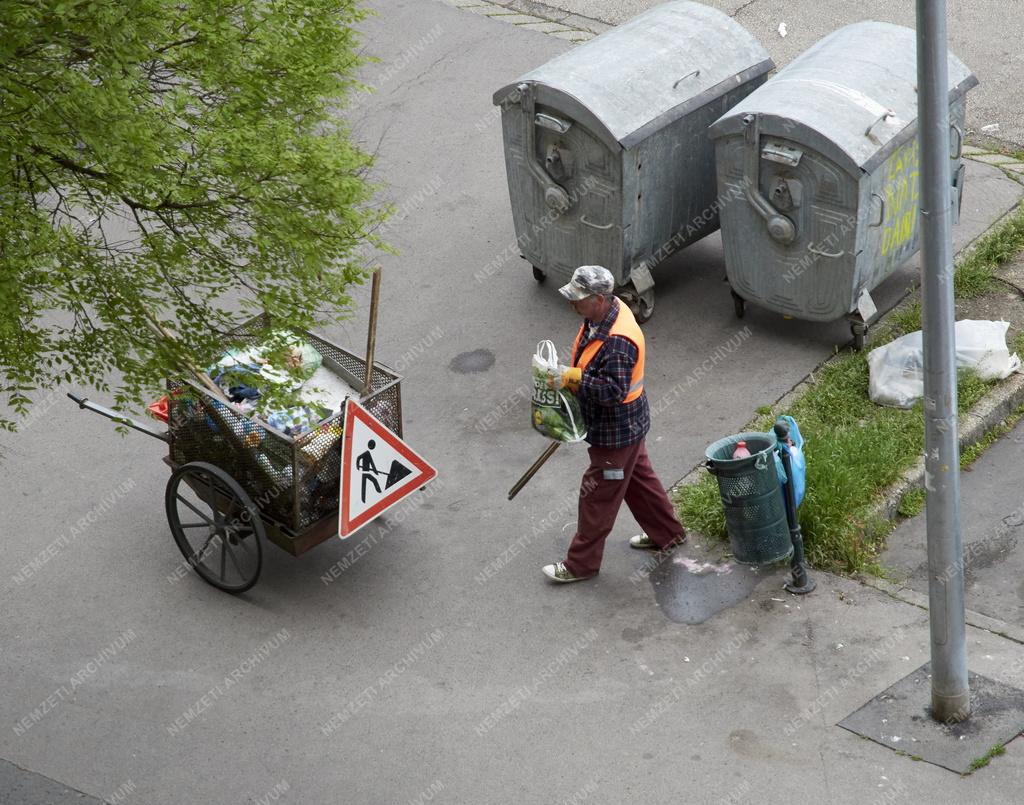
[{"x": 611, "y": 423}]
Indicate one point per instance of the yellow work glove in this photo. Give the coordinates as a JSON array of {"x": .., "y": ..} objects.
[{"x": 571, "y": 378}]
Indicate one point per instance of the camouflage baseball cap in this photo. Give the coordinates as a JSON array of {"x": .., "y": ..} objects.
[{"x": 588, "y": 281}]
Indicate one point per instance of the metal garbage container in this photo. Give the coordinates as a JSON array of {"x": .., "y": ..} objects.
[
  {"x": 824, "y": 160},
  {"x": 606, "y": 146},
  {"x": 755, "y": 512}
]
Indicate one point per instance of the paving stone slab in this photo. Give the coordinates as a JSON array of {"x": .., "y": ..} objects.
[
  {"x": 574, "y": 36},
  {"x": 512, "y": 17},
  {"x": 900, "y": 718},
  {"x": 544, "y": 26},
  {"x": 483, "y": 9}
]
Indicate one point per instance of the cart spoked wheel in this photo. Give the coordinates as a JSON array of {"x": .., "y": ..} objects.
[
  {"x": 739, "y": 304},
  {"x": 216, "y": 525},
  {"x": 539, "y": 275}
]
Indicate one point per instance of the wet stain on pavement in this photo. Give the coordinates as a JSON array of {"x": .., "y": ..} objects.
[
  {"x": 690, "y": 592},
  {"x": 642, "y": 631},
  {"x": 633, "y": 635},
  {"x": 479, "y": 360},
  {"x": 749, "y": 744},
  {"x": 984, "y": 553}
]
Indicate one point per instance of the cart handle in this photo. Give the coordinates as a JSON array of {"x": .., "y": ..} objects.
[{"x": 120, "y": 419}]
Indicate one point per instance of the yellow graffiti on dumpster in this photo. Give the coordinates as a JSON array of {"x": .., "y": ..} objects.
[{"x": 901, "y": 199}]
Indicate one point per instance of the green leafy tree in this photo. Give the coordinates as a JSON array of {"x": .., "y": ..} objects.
[{"x": 174, "y": 166}]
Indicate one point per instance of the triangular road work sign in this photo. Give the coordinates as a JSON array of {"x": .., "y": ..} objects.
[{"x": 377, "y": 469}]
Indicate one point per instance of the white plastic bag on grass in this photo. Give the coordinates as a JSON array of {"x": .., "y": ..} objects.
[{"x": 897, "y": 368}]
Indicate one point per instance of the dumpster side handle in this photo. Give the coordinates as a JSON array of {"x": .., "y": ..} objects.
[
  {"x": 880, "y": 119},
  {"x": 881, "y": 209},
  {"x": 822, "y": 253},
  {"x": 691, "y": 74},
  {"x": 592, "y": 225},
  {"x": 959, "y": 151}
]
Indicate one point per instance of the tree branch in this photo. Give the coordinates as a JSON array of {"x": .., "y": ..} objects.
[
  {"x": 71, "y": 165},
  {"x": 186, "y": 41}
]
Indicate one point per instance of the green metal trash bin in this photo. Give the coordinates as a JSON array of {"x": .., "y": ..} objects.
[{"x": 755, "y": 513}]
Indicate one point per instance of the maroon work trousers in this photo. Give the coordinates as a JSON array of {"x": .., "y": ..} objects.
[{"x": 614, "y": 475}]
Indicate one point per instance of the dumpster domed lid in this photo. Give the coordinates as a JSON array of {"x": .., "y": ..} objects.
[
  {"x": 852, "y": 96},
  {"x": 649, "y": 71}
]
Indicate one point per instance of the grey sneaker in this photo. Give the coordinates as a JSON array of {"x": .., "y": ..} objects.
[
  {"x": 642, "y": 542},
  {"x": 558, "y": 572}
]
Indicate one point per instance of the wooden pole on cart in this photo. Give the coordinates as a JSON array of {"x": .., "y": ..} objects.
[
  {"x": 371, "y": 336},
  {"x": 548, "y": 452},
  {"x": 198, "y": 374}
]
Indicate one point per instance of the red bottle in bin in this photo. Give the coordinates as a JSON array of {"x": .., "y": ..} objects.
[{"x": 741, "y": 450}]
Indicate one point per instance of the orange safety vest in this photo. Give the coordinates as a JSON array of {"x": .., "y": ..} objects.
[{"x": 625, "y": 325}]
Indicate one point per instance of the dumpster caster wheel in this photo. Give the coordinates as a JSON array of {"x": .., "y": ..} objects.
[
  {"x": 739, "y": 304},
  {"x": 641, "y": 306},
  {"x": 216, "y": 526},
  {"x": 539, "y": 275},
  {"x": 645, "y": 306},
  {"x": 860, "y": 332}
]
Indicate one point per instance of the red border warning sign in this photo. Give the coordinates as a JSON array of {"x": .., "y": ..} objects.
[{"x": 367, "y": 489}]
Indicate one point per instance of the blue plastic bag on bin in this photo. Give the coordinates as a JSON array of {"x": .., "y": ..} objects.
[{"x": 797, "y": 461}]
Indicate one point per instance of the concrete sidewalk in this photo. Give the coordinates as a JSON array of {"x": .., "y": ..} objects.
[{"x": 992, "y": 517}]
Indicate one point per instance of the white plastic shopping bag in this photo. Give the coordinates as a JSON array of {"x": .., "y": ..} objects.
[{"x": 555, "y": 412}]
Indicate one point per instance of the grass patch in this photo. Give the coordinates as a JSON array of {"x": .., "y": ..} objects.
[
  {"x": 1017, "y": 345},
  {"x": 973, "y": 453},
  {"x": 700, "y": 508},
  {"x": 912, "y": 503},
  {"x": 907, "y": 319},
  {"x": 973, "y": 275},
  {"x": 855, "y": 449},
  {"x": 981, "y": 762},
  {"x": 970, "y": 389}
]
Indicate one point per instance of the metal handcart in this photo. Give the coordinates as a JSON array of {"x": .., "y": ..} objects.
[{"x": 236, "y": 482}]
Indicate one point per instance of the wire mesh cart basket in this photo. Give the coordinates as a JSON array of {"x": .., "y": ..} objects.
[{"x": 236, "y": 482}]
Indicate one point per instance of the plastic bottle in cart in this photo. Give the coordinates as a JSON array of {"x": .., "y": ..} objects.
[{"x": 741, "y": 451}]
